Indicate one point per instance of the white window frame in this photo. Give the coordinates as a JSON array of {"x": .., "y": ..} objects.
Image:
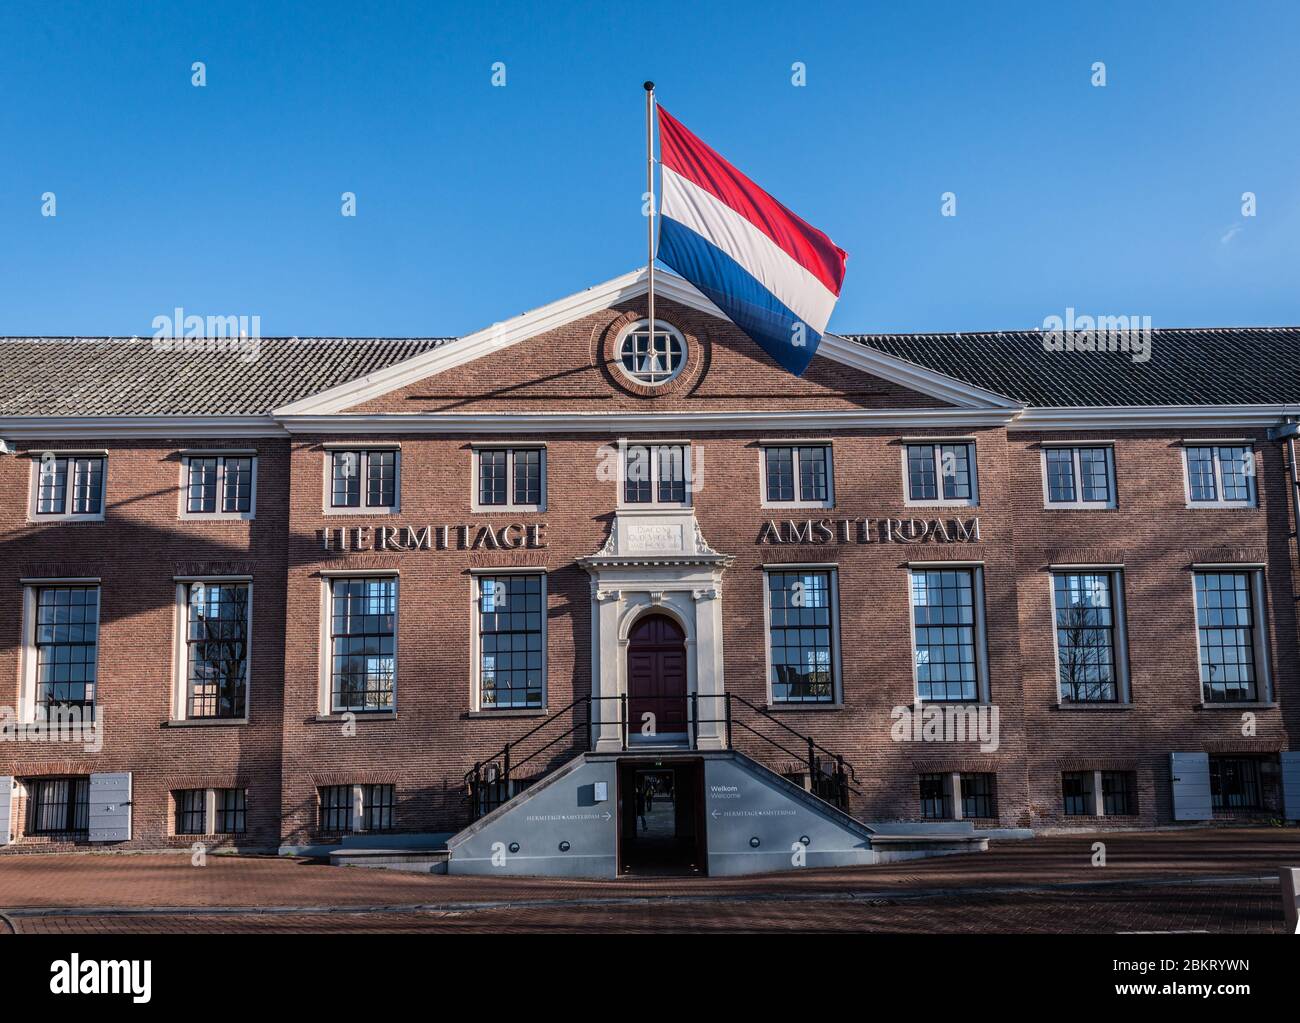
[
  {"x": 653, "y": 446},
  {"x": 33, "y": 498},
  {"x": 837, "y": 689},
  {"x": 180, "y": 649},
  {"x": 219, "y": 513},
  {"x": 1252, "y": 501},
  {"x": 364, "y": 450},
  {"x": 29, "y": 681},
  {"x": 935, "y": 444},
  {"x": 510, "y": 505},
  {"x": 1259, "y": 620},
  {"x": 641, "y": 326},
  {"x": 1123, "y": 692},
  {"x": 982, "y": 684},
  {"x": 476, "y": 654},
  {"x": 795, "y": 446},
  {"x": 1076, "y": 468},
  {"x": 325, "y": 696}
]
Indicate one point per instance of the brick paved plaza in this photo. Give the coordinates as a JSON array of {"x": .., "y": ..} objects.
[{"x": 1211, "y": 880}]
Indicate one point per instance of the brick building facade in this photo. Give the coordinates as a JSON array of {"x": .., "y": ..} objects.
[{"x": 303, "y": 587}]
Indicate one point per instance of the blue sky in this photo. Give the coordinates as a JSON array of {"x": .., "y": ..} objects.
[{"x": 476, "y": 202}]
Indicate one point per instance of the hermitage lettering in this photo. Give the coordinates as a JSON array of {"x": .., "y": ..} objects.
[{"x": 459, "y": 537}]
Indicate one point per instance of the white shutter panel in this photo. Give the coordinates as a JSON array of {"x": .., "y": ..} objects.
[
  {"x": 110, "y": 807},
  {"x": 6, "y": 809},
  {"x": 1291, "y": 785},
  {"x": 1191, "y": 777}
]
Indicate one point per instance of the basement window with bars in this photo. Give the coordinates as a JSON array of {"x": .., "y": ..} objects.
[
  {"x": 191, "y": 811},
  {"x": 979, "y": 795},
  {"x": 1076, "y": 790},
  {"x": 338, "y": 803},
  {"x": 58, "y": 806},
  {"x": 936, "y": 797}
]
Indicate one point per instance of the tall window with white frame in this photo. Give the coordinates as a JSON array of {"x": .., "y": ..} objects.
[
  {"x": 941, "y": 473},
  {"x": 1226, "y": 624},
  {"x": 216, "y": 644},
  {"x": 66, "y": 639},
  {"x": 219, "y": 485},
  {"x": 363, "y": 644},
  {"x": 511, "y": 477},
  {"x": 797, "y": 475},
  {"x": 801, "y": 636},
  {"x": 70, "y": 485},
  {"x": 657, "y": 474},
  {"x": 1085, "y": 636},
  {"x": 1079, "y": 477},
  {"x": 512, "y": 655},
  {"x": 945, "y": 625},
  {"x": 1221, "y": 475},
  {"x": 364, "y": 479}
]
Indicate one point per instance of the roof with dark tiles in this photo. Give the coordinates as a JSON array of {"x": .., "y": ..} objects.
[
  {"x": 95, "y": 376},
  {"x": 135, "y": 376},
  {"x": 1186, "y": 366}
]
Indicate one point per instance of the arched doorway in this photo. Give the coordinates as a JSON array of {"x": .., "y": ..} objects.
[{"x": 656, "y": 681}]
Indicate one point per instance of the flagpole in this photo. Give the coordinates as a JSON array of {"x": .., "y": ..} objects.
[{"x": 650, "y": 190}]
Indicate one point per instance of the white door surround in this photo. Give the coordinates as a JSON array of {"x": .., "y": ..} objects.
[{"x": 656, "y": 560}]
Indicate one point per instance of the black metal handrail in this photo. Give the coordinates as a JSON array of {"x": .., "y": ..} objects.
[{"x": 495, "y": 780}]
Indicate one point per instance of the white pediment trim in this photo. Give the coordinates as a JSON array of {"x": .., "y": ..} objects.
[{"x": 506, "y": 333}]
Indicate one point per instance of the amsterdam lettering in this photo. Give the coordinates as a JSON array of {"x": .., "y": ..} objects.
[
  {"x": 461, "y": 537},
  {"x": 843, "y": 531}
]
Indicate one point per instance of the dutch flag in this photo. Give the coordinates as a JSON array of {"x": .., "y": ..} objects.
[{"x": 775, "y": 275}]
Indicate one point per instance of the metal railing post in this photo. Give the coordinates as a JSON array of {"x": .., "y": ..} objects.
[
  {"x": 727, "y": 698},
  {"x": 622, "y": 702}
]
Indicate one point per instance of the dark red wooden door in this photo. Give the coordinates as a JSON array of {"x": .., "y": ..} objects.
[{"x": 656, "y": 676}]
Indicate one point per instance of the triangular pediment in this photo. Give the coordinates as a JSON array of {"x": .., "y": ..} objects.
[{"x": 558, "y": 359}]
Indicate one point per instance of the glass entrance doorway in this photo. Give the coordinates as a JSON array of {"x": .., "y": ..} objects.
[{"x": 661, "y": 831}]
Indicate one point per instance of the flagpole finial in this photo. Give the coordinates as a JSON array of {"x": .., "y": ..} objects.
[{"x": 649, "y": 86}]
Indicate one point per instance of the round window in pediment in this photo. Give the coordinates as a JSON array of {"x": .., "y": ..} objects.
[{"x": 651, "y": 359}]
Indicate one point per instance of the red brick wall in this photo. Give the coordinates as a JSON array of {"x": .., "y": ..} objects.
[
  {"x": 285, "y": 753},
  {"x": 136, "y": 551}
]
